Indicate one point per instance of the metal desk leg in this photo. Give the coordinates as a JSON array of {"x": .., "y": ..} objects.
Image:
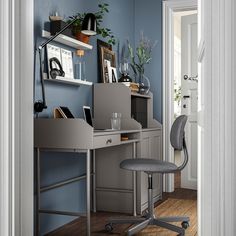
[
  {"x": 37, "y": 227},
  {"x": 94, "y": 182},
  {"x": 88, "y": 190},
  {"x": 134, "y": 183}
]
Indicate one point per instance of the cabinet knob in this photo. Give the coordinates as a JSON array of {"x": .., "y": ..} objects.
[{"x": 109, "y": 141}]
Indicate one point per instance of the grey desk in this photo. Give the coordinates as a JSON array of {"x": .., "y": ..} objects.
[{"x": 75, "y": 135}]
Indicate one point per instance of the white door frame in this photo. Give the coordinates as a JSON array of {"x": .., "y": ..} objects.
[
  {"x": 169, "y": 7},
  {"x": 217, "y": 118},
  {"x": 16, "y": 117}
]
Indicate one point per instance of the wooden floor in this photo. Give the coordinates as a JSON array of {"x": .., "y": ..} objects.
[{"x": 181, "y": 202}]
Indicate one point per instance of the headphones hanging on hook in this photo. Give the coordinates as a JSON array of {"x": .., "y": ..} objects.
[{"x": 54, "y": 71}]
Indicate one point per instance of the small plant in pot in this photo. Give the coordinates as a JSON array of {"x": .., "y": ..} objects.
[{"x": 104, "y": 32}]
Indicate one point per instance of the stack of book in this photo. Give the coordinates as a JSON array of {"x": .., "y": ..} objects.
[{"x": 134, "y": 87}]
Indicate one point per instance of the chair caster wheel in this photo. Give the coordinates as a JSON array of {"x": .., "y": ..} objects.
[
  {"x": 109, "y": 227},
  {"x": 185, "y": 224}
]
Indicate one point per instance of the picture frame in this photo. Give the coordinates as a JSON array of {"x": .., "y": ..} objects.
[
  {"x": 112, "y": 73},
  {"x": 101, "y": 44},
  {"x": 108, "y": 59}
]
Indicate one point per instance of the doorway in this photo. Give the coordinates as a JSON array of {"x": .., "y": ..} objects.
[
  {"x": 185, "y": 91},
  {"x": 180, "y": 89},
  {"x": 176, "y": 93}
]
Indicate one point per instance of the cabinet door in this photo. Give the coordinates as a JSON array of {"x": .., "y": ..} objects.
[{"x": 149, "y": 147}]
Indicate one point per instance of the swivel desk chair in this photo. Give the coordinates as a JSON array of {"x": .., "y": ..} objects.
[{"x": 151, "y": 166}]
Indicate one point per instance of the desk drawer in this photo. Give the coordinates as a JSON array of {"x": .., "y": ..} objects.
[{"x": 106, "y": 141}]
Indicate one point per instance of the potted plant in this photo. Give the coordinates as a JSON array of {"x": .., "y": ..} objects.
[
  {"x": 143, "y": 54},
  {"x": 104, "y": 32}
]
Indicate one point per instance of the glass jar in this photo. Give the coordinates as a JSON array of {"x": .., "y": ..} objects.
[
  {"x": 80, "y": 66},
  {"x": 116, "y": 121}
]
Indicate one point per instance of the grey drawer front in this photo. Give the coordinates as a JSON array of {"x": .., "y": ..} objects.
[{"x": 106, "y": 141}]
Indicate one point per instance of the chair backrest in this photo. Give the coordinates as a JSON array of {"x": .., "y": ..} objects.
[
  {"x": 177, "y": 138},
  {"x": 177, "y": 132}
]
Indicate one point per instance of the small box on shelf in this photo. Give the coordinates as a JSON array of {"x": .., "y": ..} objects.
[{"x": 56, "y": 26}]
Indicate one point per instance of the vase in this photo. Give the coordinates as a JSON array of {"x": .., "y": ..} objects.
[{"x": 144, "y": 84}]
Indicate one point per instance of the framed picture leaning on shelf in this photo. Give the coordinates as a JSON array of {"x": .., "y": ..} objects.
[
  {"x": 108, "y": 65},
  {"x": 101, "y": 44}
]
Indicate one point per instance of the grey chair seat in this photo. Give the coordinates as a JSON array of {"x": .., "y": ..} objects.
[{"x": 148, "y": 165}]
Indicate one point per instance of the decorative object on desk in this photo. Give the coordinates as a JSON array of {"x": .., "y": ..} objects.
[
  {"x": 123, "y": 57},
  {"x": 134, "y": 87},
  {"x": 54, "y": 62},
  {"x": 124, "y": 138},
  {"x": 67, "y": 63},
  {"x": 143, "y": 53},
  {"x": 124, "y": 70},
  {"x": 55, "y": 17},
  {"x": 116, "y": 121},
  {"x": 59, "y": 62},
  {"x": 62, "y": 112},
  {"x": 112, "y": 73},
  {"x": 55, "y": 68},
  {"x": 40, "y": 105},
  {"x": 108, "y": 59},
  {"x": 56, "y": 26},
  {"x": 144, "y": 84},
  {"x": 80, "y": 65},
  {"x": 101, "y": 44},
  {"x": 84, "y": 19}
]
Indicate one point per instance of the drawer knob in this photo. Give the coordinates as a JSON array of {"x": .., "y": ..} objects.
[{"x": 109, "y": 141}]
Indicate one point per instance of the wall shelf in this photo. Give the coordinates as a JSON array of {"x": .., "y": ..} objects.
[
  {"x": 70, "y": 81},
  {"x": 66, "y": 40}
]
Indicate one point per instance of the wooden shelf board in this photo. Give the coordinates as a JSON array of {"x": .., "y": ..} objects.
[{"x": 66, "y": 40}]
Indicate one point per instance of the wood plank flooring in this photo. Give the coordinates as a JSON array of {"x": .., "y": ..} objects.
[{"x": 181, "y": 202}]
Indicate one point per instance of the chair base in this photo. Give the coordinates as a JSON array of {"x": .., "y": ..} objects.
[{"x": 141, "y": 222}]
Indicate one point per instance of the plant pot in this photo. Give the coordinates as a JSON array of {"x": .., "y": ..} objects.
[{"x": 82, "y": 37}]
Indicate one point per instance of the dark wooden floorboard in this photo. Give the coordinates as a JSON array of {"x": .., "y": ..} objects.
[{"x": 181, "y": 202}]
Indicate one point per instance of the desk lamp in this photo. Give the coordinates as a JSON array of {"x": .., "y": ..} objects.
[{"x": 89, "y": 27}]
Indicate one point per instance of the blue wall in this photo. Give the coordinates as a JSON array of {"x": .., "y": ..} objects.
[
  {"x": 126, "y": 18},
  {"x": 148, "y": 18}
]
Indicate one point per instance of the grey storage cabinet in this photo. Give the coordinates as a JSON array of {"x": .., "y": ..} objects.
[{"x": 114, "y": 191}]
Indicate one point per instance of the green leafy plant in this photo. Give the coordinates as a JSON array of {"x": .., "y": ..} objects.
[
  {"x": 103, "y": 31},
  {"x": 143, "y": 53},
  {"x": 177, "y": 93}
]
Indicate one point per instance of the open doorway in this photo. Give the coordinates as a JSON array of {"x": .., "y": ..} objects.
[
  {"x": 185, "y": 90},
  {"x": 180, "y": 89}
]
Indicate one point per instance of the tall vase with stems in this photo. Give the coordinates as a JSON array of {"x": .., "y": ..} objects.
[{"x": 139, "y": 58}]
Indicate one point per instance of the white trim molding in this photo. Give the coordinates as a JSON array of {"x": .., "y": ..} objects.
[
  {"x": 16, "y": 118},
  {"x": 169, "y": 7},
  {"x": 5, "y": 123},
  {"x": 217, "y": 209}
]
